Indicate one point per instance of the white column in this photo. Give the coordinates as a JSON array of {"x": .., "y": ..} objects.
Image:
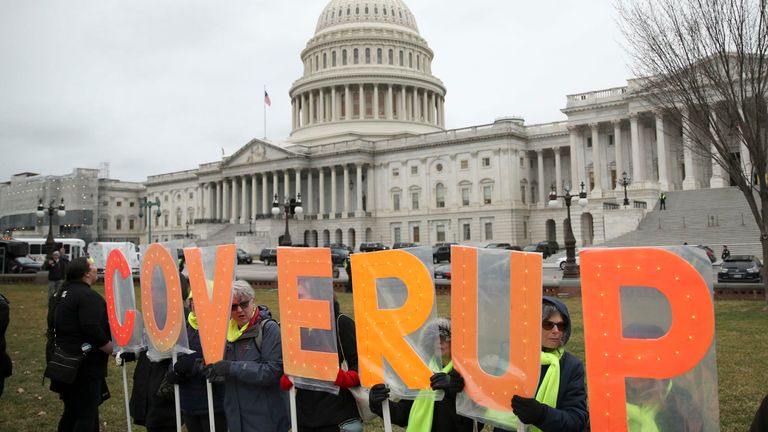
[
  {"x": 244, "y": 199},
  {"x": 389, "y": 105},
  {"x": 345, "y": 188},
  {"x": 558, "y": 172},
  {"x": 370, "y": 194},
  {"x": 661, "y": 152},
  {"x": 376, "y": 101},
  {"x": 638, "y": 173},
  {"x": 347, "y": 105},
  {"x": 200, "y": 213},
  {"x": 254, "y": 196},
  {"x": 718, "y": 179},
  {"x": 690, "y": 181},
  {"x": 321, "y": 106},
  {"x": 332, "y": 212},
  {"x": 425, "y": 109},
  {"x": 619, "y": 151},
  {"x": 401, "y": 115},
  {"x": 286, "y": 185},
  {"x": 431, "y": 119},
  {"x": 334, "y": 105},
  {"x": 359, "y": 190},
  {"x": 293, "y": 113},
  {"x": 542, "y": 186},
  {"x": 573, "y": 132},
  {"x": 217, "y": 210},
  {"x": 321, "y": 190},
  {"x": 311, "y": 107},
  {"x": 298, "y": 181},
  {"x": 233, "y": 217},
  {"x": 304, "y": 109},
  {"x": 225, "y": 200},
  {"x": 441, "y": 110},
  {"x": 275, "y": 185},
  {"x": 597, "y": 163},
  {"x": 265, "y": 201},
  {"x": 361, "y": 102},
  {"x": 416, "y": 105},
  {"x": 310, "y": 193}
]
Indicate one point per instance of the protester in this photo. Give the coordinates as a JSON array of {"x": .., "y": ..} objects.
[
  {"x": 662, "y": 201},
  {"x": 564, "y": 408},
  {"x": 348, "y": 269},
  {"x": 6, "y": 366},
  {"x": 320, "y": 411},
  {"x": 192, "y": 385},
  {"x": 760, "y": 422},
  {"x": 56, "y": 270},
  {"x": 424, "y": 413},
  {"x": 251, "y": 369},
  {"x": 726, "y": 253},
  {"x": 80, "y": 325}
]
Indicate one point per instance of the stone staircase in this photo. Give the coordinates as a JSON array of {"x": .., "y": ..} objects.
[
  {"x": 712, "y": 217},
  {"x": 225, "y": 235}
]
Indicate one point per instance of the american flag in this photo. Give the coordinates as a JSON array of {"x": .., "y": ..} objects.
[{"x": 266, "y": 98}]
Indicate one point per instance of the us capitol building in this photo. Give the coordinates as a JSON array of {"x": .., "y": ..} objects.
[{"x": 370, "y": 155}]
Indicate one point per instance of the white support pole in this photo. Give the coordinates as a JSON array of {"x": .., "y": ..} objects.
[
  {"x": 125, "y": 393},
  {"x": 386, "y": 415},
  {"x": 211, "y": 416},
  {"x": 176, "y": 398},
  {"x": 294, "y": 421}
]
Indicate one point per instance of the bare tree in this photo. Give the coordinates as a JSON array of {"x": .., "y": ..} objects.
[{"x": 703, "y": 63}]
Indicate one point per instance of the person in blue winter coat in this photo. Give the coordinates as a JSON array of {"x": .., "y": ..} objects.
[
  {"x": 566, "y": 409},
  {"x": 251, "y": 369}
]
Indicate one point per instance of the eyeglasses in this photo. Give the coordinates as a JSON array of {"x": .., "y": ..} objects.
[
  {"x": 241, "y": 305},
  {"x": 549, "y": 325}
]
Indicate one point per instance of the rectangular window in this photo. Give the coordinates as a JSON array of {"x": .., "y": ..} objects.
[
  {"x": 465, "y": 196},
  {"x": 487, "y": 191},
  {"x": 522, "y": 162},
  {"x": 440, "y": 231},
  {"x": 530, "y": 163},
  {"x": 191, "y": 195},
  {"x": 416, "y": 234},
  {"x": 525, "y": 229},
  {"x": 119, "y": 204},
  {"x": 466, "y": 232},
  {"x": 104, "y": 224},
  {"x": 464, "y": 164},
  {"x": 118, "y": 224},
  {"x": 165, "y": 220},
  {"x": 489, "y": 230},
  {"x": 414, "y": 169},
  {"x": 415, "y": 200},
  {"x": 440, "y": 197},
  {"x": 589, "y": 142},
  {"x": 396, "y": 202},
  {"x": 396, "y": 234},
  {"x": 395, "y": 172},
  {"x": 131, "y": 204},
  {"x": 522, "y": 192},
  {"x": 131, "y": 224},
  {"x": 486, "y": 162},
  {"x": 105, "y": 203},
  {"x": 610, "y": 140}
]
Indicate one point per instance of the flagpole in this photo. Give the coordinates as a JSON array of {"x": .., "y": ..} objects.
[{"x": 264, "y": 97}]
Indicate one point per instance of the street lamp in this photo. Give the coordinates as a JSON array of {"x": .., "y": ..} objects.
[
  {"x": 145, "y": 203},
  {"x": 250, "y": 225},
  {"x": 625, "y": 181},
  {"x": 571, "y": 270},
  {"x": 41, "y": 211},
  {"x": 290, "y": 207},
  {"x": 186, "y": 235}
]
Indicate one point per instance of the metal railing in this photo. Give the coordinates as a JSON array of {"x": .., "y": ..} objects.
[
  {"x": 640, "y": 204},
  {"x": 611, "y": 206}
]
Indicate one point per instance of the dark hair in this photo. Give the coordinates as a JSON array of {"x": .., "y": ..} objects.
[{"x": 78, "y": 268}]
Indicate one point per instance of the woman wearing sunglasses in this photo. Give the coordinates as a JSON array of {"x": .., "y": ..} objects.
[
  {"x": 561, "y": 398},
  {"x": 251, "y": 369}
]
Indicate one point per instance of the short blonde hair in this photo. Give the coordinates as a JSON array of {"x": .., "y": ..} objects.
[{"x": 242, "y": 290}]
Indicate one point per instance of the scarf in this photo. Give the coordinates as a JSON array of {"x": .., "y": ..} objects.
[
  {"x": 234, "y": 332},
  {"x": 423, "y": 409},
  {"x": 642, "y": 418},
  {"x": 192, "y": 320},
  {"x": 546, "y": 394}
]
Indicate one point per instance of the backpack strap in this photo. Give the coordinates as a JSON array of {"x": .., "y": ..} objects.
[{"x": 259, "y": 337}]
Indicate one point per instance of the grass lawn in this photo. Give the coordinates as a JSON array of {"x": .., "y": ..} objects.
[{"x": 27, "y": 406}]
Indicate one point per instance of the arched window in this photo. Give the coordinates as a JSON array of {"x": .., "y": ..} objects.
[
  {"x": 410, "y": 60},
  {"x": 401, "y": 57},
  {"x": 357, "y": 10},
  {"x": 366, "y": 10},
  {"x": 418, "y": 62},
  {"x": 325, "y": 60},
  {"x": 367, "y": 56},
  {"x": 343, "y": 57},
  {"x": 391, "y": 56},
  {"x": 378, "y": 55},
  {"x": 333, "y": 58},
  {"x": 317, "y": 62},
  {"x": 440, "y": 195},
  {"x": 355, "y": 56}
]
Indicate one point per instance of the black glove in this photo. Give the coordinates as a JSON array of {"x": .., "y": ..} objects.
[
  {"x": 184, "y": 366},
  {"x": 450, "y": 384},
  {"x": 216, "y": 372},
  {"x": 172, "y": 377},
  {"x": 528, "y": 410},
  {"x": 378, "y": 394}
]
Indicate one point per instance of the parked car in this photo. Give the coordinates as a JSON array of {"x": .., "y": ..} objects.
[
  {"x": 243, "y": 257},
  {"x": 551, "y": 246},
  {"x": 443, "y": 271},
  {"x": 540, "y": 248},
  {"x": 403, "y": 245},
  {"x": 441, "y": 252},
  {"x": 741, "y": 268},
  {"x": 338, "y": 256},
  {"x": 561, "y": 262},
  {"x": 268, "y": 256},
  {"x": 506, "y": 246},
  {"x": 372, "y": 247},
  {"x": 339, "y": 246},
  {"x": 25, "y": 265},
  {"x": 710, "y": 253}
]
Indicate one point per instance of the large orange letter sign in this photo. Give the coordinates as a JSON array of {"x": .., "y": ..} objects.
[
  {"x": 297, "y": 313},
  {"x": 164, "y": 339},
  {"x": 610, "y": 356},
  {"x": 212, "y": 308},
  {"x": 522, "y": 377},
  {"x": 121, "y": 332},
  {"x": 380, "y": 332}
]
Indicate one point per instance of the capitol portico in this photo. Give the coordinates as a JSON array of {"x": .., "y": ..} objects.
[{"x": 372, "y": 161}]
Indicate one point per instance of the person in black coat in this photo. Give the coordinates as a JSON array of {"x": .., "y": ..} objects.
[
  {"x": 6, "y": 366},
  {"x": 193, "y": 393},
  {"x": 444, "y": 418},
  {"x": 320, "y": 411},
  {"x": 570, "y": 411},
  {"x": 760, "y": 422},
  {"x": 80, "y": 325}
]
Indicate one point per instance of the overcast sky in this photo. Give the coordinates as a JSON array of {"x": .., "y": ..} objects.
[{"x": 155, "y": 86}]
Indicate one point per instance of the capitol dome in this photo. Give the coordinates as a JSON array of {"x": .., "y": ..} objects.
[{"x": 367, "y": 75}]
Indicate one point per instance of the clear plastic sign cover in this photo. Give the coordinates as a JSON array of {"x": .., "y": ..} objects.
[
  {"x": 99, "y": 253},
  {"x": 396, "y": 314},
  {"x": 125, "y": 321},
  {"x": 496, "y": 317},
  {"x": 162, "y": 302}
]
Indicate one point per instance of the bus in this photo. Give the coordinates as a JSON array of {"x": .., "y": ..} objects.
[{"x": 73, "y": 247}]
